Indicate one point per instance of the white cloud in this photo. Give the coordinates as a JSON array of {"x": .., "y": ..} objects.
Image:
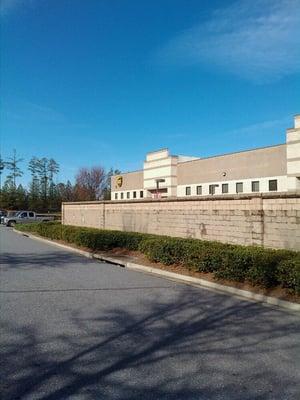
[
  {"x": 260, "y": 128},
  {"x": 258, "y": 40}
]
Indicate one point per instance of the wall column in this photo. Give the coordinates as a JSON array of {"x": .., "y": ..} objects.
[{"x": 293, "y": 156}]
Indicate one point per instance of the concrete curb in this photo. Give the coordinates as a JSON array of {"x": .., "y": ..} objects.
[{"x": 245, "y": 294}]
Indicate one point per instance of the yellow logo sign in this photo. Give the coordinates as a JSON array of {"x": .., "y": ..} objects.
[{"x": 119, "y": 181}]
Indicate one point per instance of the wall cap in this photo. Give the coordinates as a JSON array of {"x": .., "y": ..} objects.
[{"x": 277, "y": 195}]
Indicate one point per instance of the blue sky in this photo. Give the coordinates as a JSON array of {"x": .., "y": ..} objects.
[{"x": 101, "y": 82}]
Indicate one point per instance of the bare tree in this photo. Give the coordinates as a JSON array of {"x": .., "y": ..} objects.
[{"x": 90, "y": 183}]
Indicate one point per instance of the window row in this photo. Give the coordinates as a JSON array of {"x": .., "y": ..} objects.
[
  {"x": 239, "y": 187},
  {"x": 126, "y": 195}
]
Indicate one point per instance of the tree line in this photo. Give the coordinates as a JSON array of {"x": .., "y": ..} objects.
[{"x": 44, "y": 193}]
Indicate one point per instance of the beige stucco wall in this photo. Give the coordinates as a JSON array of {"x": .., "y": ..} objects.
[
  {"x": 131, "y": 181},
  {"x": 271, "y": 221},
  {"x": 269, "y": 161},
  {"x": 252, "y": 164}
]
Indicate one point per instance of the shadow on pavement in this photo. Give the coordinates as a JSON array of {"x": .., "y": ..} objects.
[
  {"x": 193, "y": 347},
  {"x": 45, "y": 259}
]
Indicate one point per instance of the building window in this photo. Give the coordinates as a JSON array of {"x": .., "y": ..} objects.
[
  {"x": 212, "y": 189},
  {"x": 128, "y": 195},
  {"x": 122, "y": 195},
  {"x": 199, "y": 190},
  {"x": 273, "y": 185},
  {"x": 188, "y": 191},
  {"x": 224, "y": 187},
  {"x": 255, "y": 186},
  {"x": 134, "y": 195},
  {"x": 116, "y": 196},
  {"x": 239, "y": 187},
  {"x": 141, "y": 194}
]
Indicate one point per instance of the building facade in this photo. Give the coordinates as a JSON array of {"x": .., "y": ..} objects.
[{"x": 267, "y": 169}]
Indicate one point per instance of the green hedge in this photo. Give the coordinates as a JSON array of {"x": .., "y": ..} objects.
[
  {"x": 288, "y": 274},
  {"x": 259, "y": 266},
  {"x": 94, "y": 239}
]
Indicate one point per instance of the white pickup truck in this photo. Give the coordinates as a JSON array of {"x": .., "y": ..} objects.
[{"x": 25, "y": 217}]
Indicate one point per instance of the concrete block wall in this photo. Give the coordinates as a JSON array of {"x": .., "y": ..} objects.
[
  {"x": 83, "y": 214},
  {"x": 282, "y": 223},
  {"x": 270, "y": 221}
]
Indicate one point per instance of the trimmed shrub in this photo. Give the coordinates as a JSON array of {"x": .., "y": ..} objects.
[
  {"x": 92, "y": 238},
  {"x": 288, "y": 274},
  {"x": 165, "y": 249},
  {"x": 234, "y": 264},
  {"x": 28, "y": 227},
  {"x": 264, "y": 268},
  {"x": 259, "y": 266},
  {"x": 203, "y": 256},
  {"x": 254, "y": 264},
  {"x": 51, "y": 230}
]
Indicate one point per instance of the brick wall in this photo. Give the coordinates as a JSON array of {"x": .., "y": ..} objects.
[{"x": 267, "y": 220}]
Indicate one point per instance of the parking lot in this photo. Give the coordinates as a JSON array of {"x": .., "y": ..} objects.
[{"x": 76, "y": 328}]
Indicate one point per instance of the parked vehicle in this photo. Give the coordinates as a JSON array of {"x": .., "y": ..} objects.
[
  {"x": 7, "y": 214},
  {"x": 25, "y": 217},
  {"x": 3, "y": 214}
]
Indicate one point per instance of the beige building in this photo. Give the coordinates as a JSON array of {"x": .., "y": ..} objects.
[{"x": 267, "y": 169}]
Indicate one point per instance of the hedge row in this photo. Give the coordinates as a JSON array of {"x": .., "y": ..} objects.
[{"x": 259, "y": 266}]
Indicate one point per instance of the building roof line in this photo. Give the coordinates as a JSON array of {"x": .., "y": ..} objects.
[
  {"x": 158, "y": 151},
  {"x": 129, "y": 172}
]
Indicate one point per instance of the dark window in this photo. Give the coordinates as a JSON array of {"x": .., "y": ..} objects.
[
  {"x": 116, "y": 196},
  {"x": 122, "y": 195},
  {"x": 199, "y": 190},
  {"x": 141, "y": 194},
  {"x": 31, "y": 215},
  {"x": 128, "y": 195},
  {"x": 134, "y": 195},
  {"x": 212, "y": 189},
  {"x": 23, "y": 215},
  {"x": 239, "y": 187},
  {"x": 273, "y": 185},
  {"x": 255, "y": 186},
  {"x": 224, "y": 187},
  {"x": 188, "y": 190}
]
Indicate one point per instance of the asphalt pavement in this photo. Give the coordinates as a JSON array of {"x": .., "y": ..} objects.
[{"x": 74, "y": 328}]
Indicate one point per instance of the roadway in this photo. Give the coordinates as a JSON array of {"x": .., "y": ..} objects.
[{"x": 74, "y": 328}]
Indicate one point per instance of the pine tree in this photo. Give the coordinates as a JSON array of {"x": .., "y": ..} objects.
[
  {"x": 42, "y": 169},
  {"x": 34, "y": 202},
  {"x": 69, "y": 192},
  {"x": 2, "y": 166},
  {"x": 52, "y": 169},
  {"x": 8, "y": 195},
  {"x": 42, "y": 193},
  {"x": 34, "y": 186},
  {"x": 12, "y": 165},
  {"x": 21, "y": 200}
]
